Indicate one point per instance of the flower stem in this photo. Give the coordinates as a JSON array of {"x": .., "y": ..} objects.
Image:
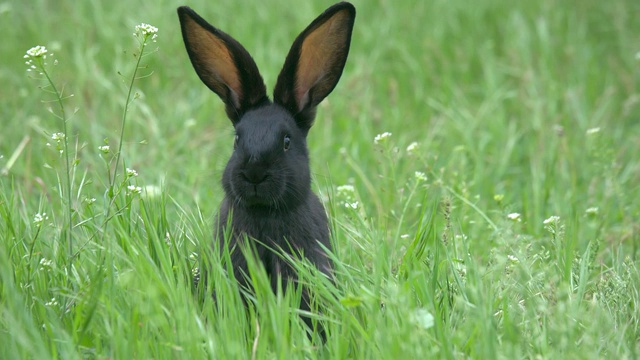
[
  {"x": 124, "y": 120},
  {"x": 112, "y": 193},
  {"x": 63, "y": 118}
]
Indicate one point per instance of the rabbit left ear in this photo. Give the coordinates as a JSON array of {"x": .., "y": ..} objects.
[
  {"x": 222, "y": 64},
  {"x": 315, "y": 63}
]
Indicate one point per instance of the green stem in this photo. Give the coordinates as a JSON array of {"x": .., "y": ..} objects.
[
  {"x": 112, "y": 179},
  {"x": 124, "y": 114},
  {"x": 67, "y": 163}
]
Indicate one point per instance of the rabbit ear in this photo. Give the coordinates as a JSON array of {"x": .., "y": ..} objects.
[
  {"x": 315, "y": 62},
  {"x": 222, "y": 64}
]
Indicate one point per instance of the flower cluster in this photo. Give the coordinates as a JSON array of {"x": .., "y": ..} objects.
[
  {"x": 59, "y": 139},
  {"x": 345, "y": 190},
  {"x": 552, "y": 225},
  {"x": 57, "y": 136},
  {"x": 354, "y": 205},
  {"x": 46, "y": 264},
  {"x": 420, "y": 176},
  {"x": 35, "y": 58},
  {"x": 36, "y": 51},
  {"x": 131, "y": 173},
  {"x": 144, "y": 31},
  {"x": 412, "y": 148},
  {"x": 512, "y": 262},
  {"x": 134, "y": 190},
  {"x": 381, "y": 138},
  {"x": 592, "y": 211},
  {"x": 347, "y": 195},
  {"x": 514, "y": 217},
  {"x": 39, "y": 218}
]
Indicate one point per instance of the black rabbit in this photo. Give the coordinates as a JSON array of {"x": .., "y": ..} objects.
[{"x": 267, "y": 180}]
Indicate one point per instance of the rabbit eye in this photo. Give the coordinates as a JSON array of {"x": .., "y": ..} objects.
[
  {"x": 286, "y": 142},
  {"x": 235, "y": 142}
]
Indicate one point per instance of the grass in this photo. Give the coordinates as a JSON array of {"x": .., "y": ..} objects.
[{"x": 521, "y": 111}]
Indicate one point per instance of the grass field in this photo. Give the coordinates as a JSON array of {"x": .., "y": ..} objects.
[{"x": 498, "y": 220}]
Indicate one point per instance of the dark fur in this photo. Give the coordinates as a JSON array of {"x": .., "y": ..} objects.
[{"x": 267, "y": 183}]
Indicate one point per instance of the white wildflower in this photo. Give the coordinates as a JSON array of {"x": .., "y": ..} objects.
[
  {"x": 552, "y": 225},
  {"x": 134, "y": 189},
  {"x": 592, "y": 211},
  {"x": 39, "y": 218},
  {"x": 593, "y": 131},
  {"x": 57, "y": 136},
  {"x": 131, "y": 172},
  {"x": 551, "y": 220},
  {"x": 353, "y": 205},
  {"x": 145, "y": 30},
  {"x": 515, "y": 217},
  {"x": 512, "y": 259},
  {"x": 381, "y": 137},
  {"x": 36, "y": 58},
  {"x": 345, "y": 189},
  {"x": 36, "y": 51},
  {"x": 45, "y": 264},
  {"x": 411, "y": 149},
  {"x": 104, "y": 149},
  {"x": 420, "y": 176},
  {"x": 52, "y": 302}
]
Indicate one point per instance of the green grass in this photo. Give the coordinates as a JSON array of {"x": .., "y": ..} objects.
[{"x": 505, "y": 100}]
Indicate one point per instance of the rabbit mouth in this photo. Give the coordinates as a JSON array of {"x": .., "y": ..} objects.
[
  {"x": 257, "y": 196},
  {"x": 257, "y": 199}
]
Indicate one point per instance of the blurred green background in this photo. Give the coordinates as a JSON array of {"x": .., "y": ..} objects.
[{"x": 486, "y": 86}]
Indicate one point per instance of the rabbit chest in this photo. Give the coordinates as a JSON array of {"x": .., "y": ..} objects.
[{"x": 302, "y": 231}]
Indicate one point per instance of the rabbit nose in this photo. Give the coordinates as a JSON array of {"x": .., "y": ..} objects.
[{"x": 254, "y": 175}]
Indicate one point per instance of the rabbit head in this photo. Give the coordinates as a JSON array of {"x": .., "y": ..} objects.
[{"x": 269, "y": 167}]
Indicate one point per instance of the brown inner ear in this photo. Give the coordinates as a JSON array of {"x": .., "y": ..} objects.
[
  {"x": 317, "y": 55},
  {"x": 213, "y": 61}
]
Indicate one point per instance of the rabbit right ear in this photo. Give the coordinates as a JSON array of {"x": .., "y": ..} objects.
[
  {"x": 222, "y": 64},
  {"x": 315, "y": 63}
]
